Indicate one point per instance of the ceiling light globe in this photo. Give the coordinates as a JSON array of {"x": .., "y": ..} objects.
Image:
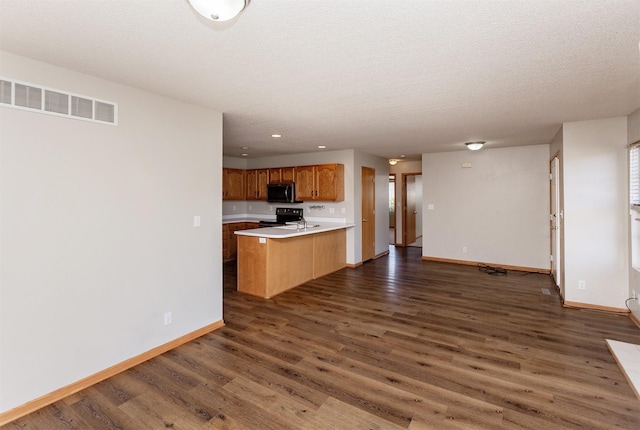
[
  {"x": 219, "y": 10},
  {"x": 474, "y": 146}
]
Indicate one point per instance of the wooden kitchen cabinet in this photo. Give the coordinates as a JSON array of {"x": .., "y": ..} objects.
[
  {"x": 233, "y": 184},
  {"x": 282, "y": 174},
  {"x": 257, "y": 181},
  {"x": 230, "y": 240},
  {"x": 323, "y": 182}
]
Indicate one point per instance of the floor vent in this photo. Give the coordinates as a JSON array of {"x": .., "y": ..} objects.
[
  {"x": 34, "y": 98},
  {"x": 546, "y": 291}
]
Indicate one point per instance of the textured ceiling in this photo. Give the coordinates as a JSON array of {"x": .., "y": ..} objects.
[{"x": 385, "y": 77}]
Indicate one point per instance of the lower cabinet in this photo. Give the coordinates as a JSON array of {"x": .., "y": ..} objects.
[
  {"x": 267, "y": 267},
  {"x": 230, "y": 240}
]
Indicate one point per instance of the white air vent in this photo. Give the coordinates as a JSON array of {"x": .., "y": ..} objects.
[
  {"x": 5, "y": 92},
  {"x": 56, "y": 102},
  {"x": 22, "y": 95},
  {"x": 27, "y": 96}
]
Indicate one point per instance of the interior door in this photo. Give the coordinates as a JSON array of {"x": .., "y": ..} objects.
[
  {"x": 410, "y": 209},
  {"x": 555, "y": 222},
  {"x": 368, "y": 214}
]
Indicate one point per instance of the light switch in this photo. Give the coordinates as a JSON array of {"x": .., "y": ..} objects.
[
  {"x": 196, "y": 221},
  {"x": 430, "y": 206}
]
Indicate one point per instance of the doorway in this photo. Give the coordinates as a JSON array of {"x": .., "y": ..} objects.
[
  {"x": 555, "y": 223},
  {"x": 368, "y": 214},
  {"x": 392, "y": 209}
]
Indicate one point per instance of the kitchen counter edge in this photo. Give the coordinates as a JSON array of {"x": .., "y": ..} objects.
[{"x": 281, "y": 233}]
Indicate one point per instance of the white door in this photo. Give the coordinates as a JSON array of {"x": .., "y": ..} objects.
[{"x": 555, "y": 221}]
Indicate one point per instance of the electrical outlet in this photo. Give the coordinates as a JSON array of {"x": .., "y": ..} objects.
[
  {"x": 465, "y": 250},
  {"x": 582, "y": 285},
  {"x": 167, "y": 318}
]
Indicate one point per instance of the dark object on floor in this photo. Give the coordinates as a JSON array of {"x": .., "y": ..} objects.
[{"x": 490, "y": 270}]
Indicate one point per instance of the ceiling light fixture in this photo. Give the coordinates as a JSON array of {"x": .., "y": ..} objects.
[
  {"x": 276, "y": 136},
  {"x": 474, "y": 146},
  {"x": 219, "y": 10},
  {"x": 321, "y": 146},
  {"x": 393, "y": 162}
]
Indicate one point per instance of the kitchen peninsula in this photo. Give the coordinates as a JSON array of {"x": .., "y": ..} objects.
[{"x": 275, "y": 259}]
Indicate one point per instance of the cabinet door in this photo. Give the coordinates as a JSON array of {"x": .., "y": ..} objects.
[
  {"x": 329, "y": 182},
  {"x": 305, "y": 184},
  {"x": 275, "y": 176},
  {"x": 252, "y": 185},
  {"x": 262, "y": 179},
  {"x": 225, "y": 242},
  {"x": 233, "y": 184},
  {"x": 288, "y": 174}
]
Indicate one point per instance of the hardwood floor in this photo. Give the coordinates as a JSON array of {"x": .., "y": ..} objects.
[{"x": 397, "y": 343}]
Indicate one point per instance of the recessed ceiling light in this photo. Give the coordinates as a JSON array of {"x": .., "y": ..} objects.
[
  {"x": 402, "y": 156},
  {"x": 245, "y": 154},
  {"x": 244, "y": 148},
  {"x": 322, "y": 146},
  {"x": 276, "y": 135}
]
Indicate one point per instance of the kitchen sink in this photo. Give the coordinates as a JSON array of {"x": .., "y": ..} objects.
[{"x": 296, "y": 226}]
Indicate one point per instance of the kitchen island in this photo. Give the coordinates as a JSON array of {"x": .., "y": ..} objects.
[{"x": 275, "y": 259}]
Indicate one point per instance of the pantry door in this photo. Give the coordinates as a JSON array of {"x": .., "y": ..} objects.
[{"x": 368, "y": 213}]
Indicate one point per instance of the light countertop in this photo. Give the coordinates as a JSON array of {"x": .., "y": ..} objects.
[{"x": 287, "y": 231}]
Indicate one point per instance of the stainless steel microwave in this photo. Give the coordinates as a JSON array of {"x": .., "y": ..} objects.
[{"x": 282, "y": 193}]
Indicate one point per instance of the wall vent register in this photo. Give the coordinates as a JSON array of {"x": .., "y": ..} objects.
[{"x": 26, "y": 96}]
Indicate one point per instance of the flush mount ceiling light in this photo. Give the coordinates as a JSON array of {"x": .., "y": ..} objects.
[
  {"x": 393, "y": 162},
  {"x": 276, "y": 136},
  {"x": 219, "y": 10},
  {"x": 474, "y": 146}
]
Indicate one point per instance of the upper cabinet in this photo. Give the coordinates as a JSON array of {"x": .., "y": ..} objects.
[
  {"x": 282, "y": 174},
  {"x": 233, "y": 184},
  {"x": 322, "y": 182},
  {"x": 257, "y": 181}
]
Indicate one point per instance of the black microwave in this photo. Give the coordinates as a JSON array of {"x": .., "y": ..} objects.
[{"x": 282, "y": 193}]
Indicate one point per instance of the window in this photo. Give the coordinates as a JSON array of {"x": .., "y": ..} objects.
[{"x": 634, "y": 174}]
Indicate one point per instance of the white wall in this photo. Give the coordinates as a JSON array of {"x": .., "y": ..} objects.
[
  {"x": 596, "y": 211},
  {"x": 498, "y": 209},
  {"x": 97, "y": 237}
]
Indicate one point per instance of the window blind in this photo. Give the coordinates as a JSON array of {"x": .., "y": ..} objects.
[{"x": 634, "y": 174}]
